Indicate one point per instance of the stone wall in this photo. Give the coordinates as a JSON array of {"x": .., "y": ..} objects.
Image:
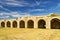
[{"x": 30, "y": 22}]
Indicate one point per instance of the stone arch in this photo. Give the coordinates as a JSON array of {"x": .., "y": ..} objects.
[
  {"x": 41, "y": 23},
  {"x": 30, "y": 24},
  {"x": 55, "y": 23},
  {"x": 22, "y": 24},
  {"x": 14, "y": 24},
  {"x": 3, "y": 24},
  {"x": 8, "y": 24}
]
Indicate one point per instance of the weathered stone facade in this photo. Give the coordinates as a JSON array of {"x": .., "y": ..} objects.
[{"x": 49, "y": 21}]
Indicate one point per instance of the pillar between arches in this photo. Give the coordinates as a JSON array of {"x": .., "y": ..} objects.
[
  {"x": 18, "y": 24},
  {"x": 48, "y": 24},
  {"x": 26, "y": 24},
  {"x": 35, "y": 24},
  {"x": 11, "y": 24}
]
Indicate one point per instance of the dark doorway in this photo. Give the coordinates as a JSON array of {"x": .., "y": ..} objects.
[
  {"x": 30, "y": 24},
  {"x": 22, "y": 24},
  {"x": 41, "y": 24},
  {"x": 8, "y": 24},
  {"x": 14, "y": 24},
  {"x": 55, "y": 23},
  {"x": 2, "y": 24}
]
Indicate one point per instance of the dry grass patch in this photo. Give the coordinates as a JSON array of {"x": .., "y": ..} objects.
[{"x": 29, "y": 34}]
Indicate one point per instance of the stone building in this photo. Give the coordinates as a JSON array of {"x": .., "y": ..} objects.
[{"x": 51, "y": 21}]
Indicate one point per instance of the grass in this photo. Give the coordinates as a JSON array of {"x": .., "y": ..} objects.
[{"x": 29, "y": 34}]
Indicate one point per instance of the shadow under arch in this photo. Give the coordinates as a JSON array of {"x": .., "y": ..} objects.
[
  {"x": 14, "y": 24},
  {"x": 3, "y": 24},
  {"x": 22, "y": 24},
  {"x": 30, "y": 24},
  {"x": 8, "y": 24},
  {"x": 55, "y": 23},
  {"x": 41, "y": 23}
]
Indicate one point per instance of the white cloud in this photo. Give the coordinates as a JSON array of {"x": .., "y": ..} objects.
[
  {"x": 40, "y": 3},
  {"x": 23, "y": 3},
  {"x": 17, "y": 14},
  {"x": 9, "y": 0},
  {"x": 4, "y": 8},
  {"x": 56, "y": 8},
  {"x": 14, "y": 3},
  {"x": 39, "y": 10},
  {"x": 58, "y": 5},
  {"x": 13, "y": 14},
  {"x": 2, "y": 16},
  {"x": 46, "y": 2},
  {"x": 37, "y": 2}
]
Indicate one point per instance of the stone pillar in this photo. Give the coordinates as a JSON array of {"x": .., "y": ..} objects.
[
  {"x": 17, "y": 24},
  {"x": 11, "y": 24},
  {"x": 5, "y": 24},
  {"x": 48, "y": 24},
  {"x": 35, "y": 24},
  {"x": 26, "y": 24}
]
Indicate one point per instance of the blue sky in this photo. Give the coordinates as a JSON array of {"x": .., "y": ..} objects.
[{"x": 19, "y": 8}]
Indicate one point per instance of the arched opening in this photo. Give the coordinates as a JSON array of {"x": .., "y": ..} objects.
[
  {"x": 55, "y": 23},
  {"x": 14, "y": 24},
  {"x": 30, "y": 24},
  {"x": 2, "y": 24},
  {"x": 41, "y": 24},
  {"x": 8, "y": 24},
  {"x": 22, "y": 24}
]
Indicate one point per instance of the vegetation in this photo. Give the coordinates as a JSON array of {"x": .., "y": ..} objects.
[
  {"x": 29, "y": 34},
  {"x": 52, "y": 14}
]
